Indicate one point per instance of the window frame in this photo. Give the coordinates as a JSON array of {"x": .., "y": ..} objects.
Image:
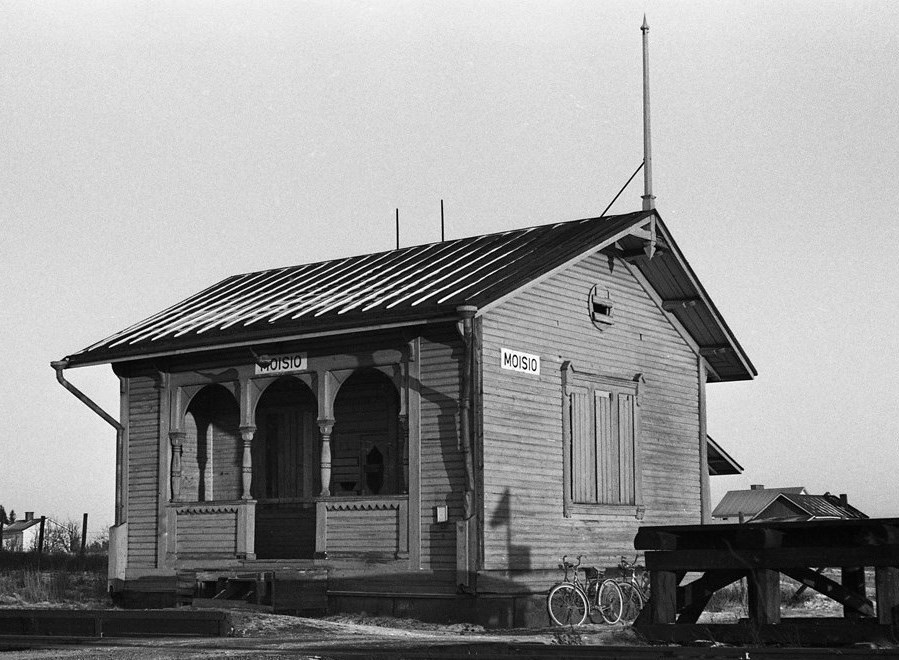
[{"x": 574, "y": 381}]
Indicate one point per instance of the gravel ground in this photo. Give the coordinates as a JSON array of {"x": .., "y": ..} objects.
[{"x": 259, "y": 634}]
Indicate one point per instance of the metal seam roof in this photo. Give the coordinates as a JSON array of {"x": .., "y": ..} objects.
[{"x": 410, "y": 284}]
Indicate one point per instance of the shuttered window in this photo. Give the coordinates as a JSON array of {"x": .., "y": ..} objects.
[{"x": 602, "y": 445}]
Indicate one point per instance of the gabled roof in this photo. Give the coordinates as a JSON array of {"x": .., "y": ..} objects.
[
  {"x": 750, "y": 502},
  {"x": 415, "y": 285},
  {"x": 20, "y": 526},
  {"x": 814, "y": 507}
]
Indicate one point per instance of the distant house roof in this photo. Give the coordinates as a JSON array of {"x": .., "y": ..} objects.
[
  {"x": 750, "y": 502},
  {"x": 809, "y": 507},
  {"x": 421, "y": 284},
  {"x": 20, "y": 526},
  {"x": 720, "y": 462}
]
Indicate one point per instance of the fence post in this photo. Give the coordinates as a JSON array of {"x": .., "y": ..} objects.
[
  {"x": 1, "y": 534},
  {"x": 83, "y": 533}
]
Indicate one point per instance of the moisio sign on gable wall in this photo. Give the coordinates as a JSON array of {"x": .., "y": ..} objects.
[
  {"x": 518, "y": 361},
  {"x": 282, "y": 364}
]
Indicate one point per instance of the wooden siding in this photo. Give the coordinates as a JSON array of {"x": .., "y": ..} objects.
[
  {"x": 143, "y": 466},
  {"x": 525, "y": 528},
  {"x": 360, "y": 529},
  {"x": 210, "y": 533},
  {"x": 442, "y": 471}
]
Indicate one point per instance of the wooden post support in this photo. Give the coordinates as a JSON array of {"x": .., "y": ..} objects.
[
  {"x": 246, "y": 434},
  {"x": 764, "y": 596},
  {"x": 853, "y": 578},
  {"x": 886, "y": 581},
  {"x": 404, "y": 451},
  {"x": 663, "y": 604},
  {"x": 83, "y": 533},
  {"x": 325, "y": 426},
  {"x": 177, "y": 440},
  {"x": 321, "y": 530},
  {"x": 40, "y": 538}
]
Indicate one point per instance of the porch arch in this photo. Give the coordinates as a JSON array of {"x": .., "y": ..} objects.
[
  {"x": 211, "y": 449},
  {"x": 367, "y": 446},
  {"x": 285, "y": 469}
]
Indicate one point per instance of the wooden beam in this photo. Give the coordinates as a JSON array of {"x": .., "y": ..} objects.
[
  {"x": 692, "y": 598},
  {"x": 851, "y": 598},
  {"x": 764, "y": 596},
  {"x": 886, "y": 581},
  {"x": 663, "y": 604},
  {"x": 671, "y": 304},
  {"x": 709, "y": 351},
  {"x": 852, "y": 578},
  {"x": 773, "y": 558}
]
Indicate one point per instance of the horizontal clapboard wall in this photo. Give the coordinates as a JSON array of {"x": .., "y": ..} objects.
[
  {"x": 143, "y": 470},
  {"x": 206, "y": 532},
  {"x": 525, "y": 528},
  {"x": 377, "y": 527},
  {"x": 442, "y": 471}
]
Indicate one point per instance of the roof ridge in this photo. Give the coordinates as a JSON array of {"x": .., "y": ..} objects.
[{"x": 462, "y": 239}]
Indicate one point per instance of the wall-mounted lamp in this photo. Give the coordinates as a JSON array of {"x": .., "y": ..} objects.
[{"x": 263, "y": 361}]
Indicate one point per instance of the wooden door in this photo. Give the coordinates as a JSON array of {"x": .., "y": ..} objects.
[{"x": 283, "y": 482}]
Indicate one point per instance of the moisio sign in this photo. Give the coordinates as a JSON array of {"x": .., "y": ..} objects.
[
  {"x": 282, "y": 364},
  {"x": 518, "y": 361}
]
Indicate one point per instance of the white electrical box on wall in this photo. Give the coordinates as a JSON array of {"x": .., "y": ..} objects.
[{"x": 440, "y": 514}]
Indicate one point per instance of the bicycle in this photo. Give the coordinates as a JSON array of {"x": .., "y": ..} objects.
[
  {"x": 570, "y": 602},
  {"x": 634, "y": 589}
]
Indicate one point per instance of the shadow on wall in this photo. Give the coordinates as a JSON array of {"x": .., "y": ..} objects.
[{"x": 519, "y": 556}]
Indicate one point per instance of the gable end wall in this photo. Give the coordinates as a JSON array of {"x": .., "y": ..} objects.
[{"x": 524, "y": 525}]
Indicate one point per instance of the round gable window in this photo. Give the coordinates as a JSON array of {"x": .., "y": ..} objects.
[{"x": 599, "y": 304}]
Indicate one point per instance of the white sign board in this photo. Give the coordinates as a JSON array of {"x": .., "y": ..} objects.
[
  {"x": 518, "y": 361},
  {"x": 284, "y": 364}
]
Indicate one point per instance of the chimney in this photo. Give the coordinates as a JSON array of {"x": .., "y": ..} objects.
[
  {"x": 757, "y": 487},
  {"x": 844, "y": 500},
  {"x": 29, "y": 515}
]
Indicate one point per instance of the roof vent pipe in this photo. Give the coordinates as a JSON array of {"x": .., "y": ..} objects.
[{"x": 757, "y": 487}]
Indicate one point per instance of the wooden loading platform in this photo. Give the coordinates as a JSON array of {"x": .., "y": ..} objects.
[{"x": 761, "y": 553}]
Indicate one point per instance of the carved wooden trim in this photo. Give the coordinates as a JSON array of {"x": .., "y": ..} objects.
[{"x": 337, "y": 505}]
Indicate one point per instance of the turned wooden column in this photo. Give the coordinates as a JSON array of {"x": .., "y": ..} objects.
[
  {"x": 246, "y": 434},
  {"x": 325, "y": 426},
  {"x": 404, "y": 452},
  {"x": 177, "y": 440}
]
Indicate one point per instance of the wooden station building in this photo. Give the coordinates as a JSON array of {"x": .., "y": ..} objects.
[{"x": 425, "y": 430}]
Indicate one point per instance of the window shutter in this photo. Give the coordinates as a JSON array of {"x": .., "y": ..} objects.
[
  {"x": 583, "y": 450},
  {"x": 626, "y": 465},
  {"x": 606, "y": 447}
]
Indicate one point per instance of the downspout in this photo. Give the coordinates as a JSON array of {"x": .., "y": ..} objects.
[
  {"x": 467, "y": 312},
  {"x": 58, "y": 367}
]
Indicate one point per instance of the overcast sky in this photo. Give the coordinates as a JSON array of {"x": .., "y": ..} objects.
[{"x": 150, "y": 149}]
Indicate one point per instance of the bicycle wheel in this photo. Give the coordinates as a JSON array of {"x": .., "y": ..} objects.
[
  {"x": 610, "y": 601},
  {"x": 567, "y": 605},
  {"x": 632, "y": 602}
]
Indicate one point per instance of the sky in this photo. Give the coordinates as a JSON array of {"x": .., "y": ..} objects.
[{"x": 150, "y": 149}]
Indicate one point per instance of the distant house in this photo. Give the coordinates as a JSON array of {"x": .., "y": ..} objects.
[
  {"x": 21, "y": 534},
  {"x": 785, "y": 504},
  {"x": 792, "y": 506}
]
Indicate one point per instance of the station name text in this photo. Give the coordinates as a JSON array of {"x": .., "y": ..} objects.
[
  {"x": 281, "y": 364},
  {"x": 517, "y": 361}
]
